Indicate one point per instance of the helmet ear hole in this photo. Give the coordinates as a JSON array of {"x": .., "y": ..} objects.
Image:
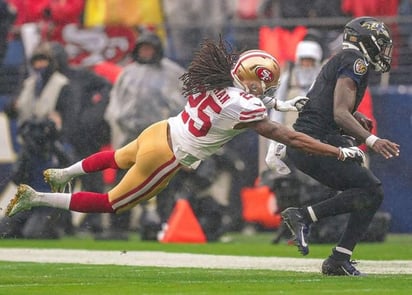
[{"x": 255, "y": 89}]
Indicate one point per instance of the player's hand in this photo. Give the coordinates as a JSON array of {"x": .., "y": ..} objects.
[
  {"x": 366, "y": 122},
  {"x": 292, "y": 105},
  {"x": 386, "y": 148},
  {"x": 352, "y": 153}
]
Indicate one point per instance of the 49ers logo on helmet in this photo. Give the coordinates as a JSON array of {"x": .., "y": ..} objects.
[{"x": 264, "y": 74}]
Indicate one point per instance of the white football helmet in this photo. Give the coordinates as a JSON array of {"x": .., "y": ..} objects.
[{"x": 257, "y": 72}]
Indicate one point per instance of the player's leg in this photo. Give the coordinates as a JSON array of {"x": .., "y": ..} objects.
[
  {"x": 155, "y": 165},
  {"x": 339, "y": 262},
  {"x": 58, "y": 178},
  {"x": 123, "y": 158},
  {"x": 361, "y": 195}
]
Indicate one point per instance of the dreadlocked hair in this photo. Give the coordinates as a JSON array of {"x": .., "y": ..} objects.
[{"x": 210, "y": 68}]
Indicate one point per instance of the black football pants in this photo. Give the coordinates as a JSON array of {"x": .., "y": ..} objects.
[{"x": 360, "y": 194}]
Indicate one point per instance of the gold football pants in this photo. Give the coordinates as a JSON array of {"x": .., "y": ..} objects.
[{"x": 150, "y": 163}]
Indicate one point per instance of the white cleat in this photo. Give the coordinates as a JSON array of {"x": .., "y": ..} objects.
[
  {"x": 22, "y": 200},
  {"x": 57, "y": 179}
]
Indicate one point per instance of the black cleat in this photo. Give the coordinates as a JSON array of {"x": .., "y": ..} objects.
[
  {"x": 294, "y": 220},
  {"x": 333, "y": 267}
]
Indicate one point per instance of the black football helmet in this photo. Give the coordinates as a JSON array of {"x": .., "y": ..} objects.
[{"x": 373, "y": 38}]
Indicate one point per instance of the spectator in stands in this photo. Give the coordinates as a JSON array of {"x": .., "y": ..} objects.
[{"x": 298, "y": 76}]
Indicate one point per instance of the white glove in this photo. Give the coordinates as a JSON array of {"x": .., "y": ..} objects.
[
  {"x": 291, "y": 105},
  {"x": 276, "y": 152},
  {"x": 352, "y": 153}
]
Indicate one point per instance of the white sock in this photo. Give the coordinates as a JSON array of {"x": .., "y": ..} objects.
[
  {"x": 312, "y": 214},
  {"x": 55, "y": 200},
  {"x": 75, "y": 169},
  {"x": 343, "y": 250}
]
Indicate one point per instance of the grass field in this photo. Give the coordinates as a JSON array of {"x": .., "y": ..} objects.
[{"x": 68, "y": 278}]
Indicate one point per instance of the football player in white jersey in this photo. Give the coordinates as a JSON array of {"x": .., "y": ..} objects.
[{"x": 226, "y": 94}]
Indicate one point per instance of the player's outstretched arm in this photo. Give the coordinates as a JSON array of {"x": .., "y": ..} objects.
[
  {"x": 289, "y": 137},
  {"x": 292, "y": 105},
  {"x": 355, "y": 124}
]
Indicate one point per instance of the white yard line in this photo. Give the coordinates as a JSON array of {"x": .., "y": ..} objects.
[{"x": 163, "y": 259}]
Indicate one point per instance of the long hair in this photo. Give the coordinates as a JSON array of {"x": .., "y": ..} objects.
[{"x": 210, "y": 68}]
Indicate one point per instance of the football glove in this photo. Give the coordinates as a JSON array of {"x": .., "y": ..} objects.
[
  {"x": 276, "y": 152},
  {"x": 352, "y": 153},
  {"x": 269, "y": 101},
  {"x": 291, "y": 105}
]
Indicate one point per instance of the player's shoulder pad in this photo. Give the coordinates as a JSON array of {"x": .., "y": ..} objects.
[{"x": 357, "y": 61}]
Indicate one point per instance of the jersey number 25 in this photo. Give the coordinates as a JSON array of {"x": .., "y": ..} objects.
[{"x": 201, "y": 102}]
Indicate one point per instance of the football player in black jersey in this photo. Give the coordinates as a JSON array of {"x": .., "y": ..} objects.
[{"x": 331, "y": 116}]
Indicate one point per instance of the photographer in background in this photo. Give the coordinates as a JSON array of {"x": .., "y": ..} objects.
[{"x": 44, "y": 110}]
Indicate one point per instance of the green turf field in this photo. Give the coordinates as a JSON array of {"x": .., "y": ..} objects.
[{"x": 52, "y": 278}]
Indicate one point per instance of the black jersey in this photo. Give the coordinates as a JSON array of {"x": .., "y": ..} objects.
[{"x": 316, "y": 118}]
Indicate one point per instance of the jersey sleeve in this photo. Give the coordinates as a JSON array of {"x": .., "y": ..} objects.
[
  {"x": 353, "y": 66},
  {"x": 251, "y": 110}
]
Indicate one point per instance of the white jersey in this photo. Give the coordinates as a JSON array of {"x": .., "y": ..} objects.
[{"x": 207, "y": 122}]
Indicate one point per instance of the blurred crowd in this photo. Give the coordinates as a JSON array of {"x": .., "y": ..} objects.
[{"x": 69, "y": 69}]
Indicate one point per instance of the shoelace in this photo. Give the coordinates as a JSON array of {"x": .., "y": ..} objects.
[
  {"x": 349, "y": 267},
  {"x": 67, "y": 188}
]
